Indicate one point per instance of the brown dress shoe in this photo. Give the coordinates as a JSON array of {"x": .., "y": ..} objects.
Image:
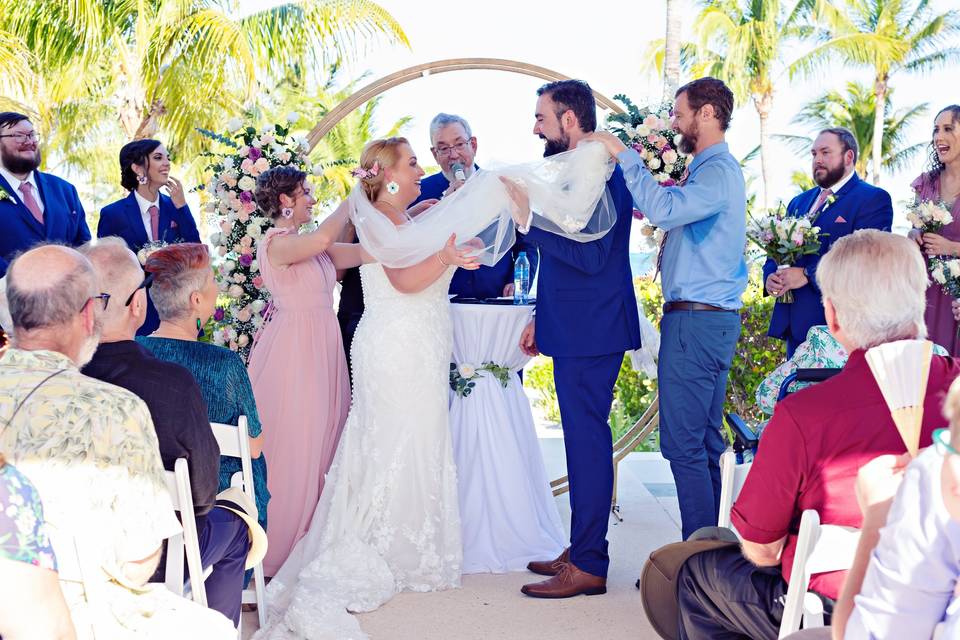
[
  {"x": 550, "y": 567},
  {"x": 566, "y": 584}
]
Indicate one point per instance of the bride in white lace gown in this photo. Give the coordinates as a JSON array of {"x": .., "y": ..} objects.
[{"x": 388, "y": 517}]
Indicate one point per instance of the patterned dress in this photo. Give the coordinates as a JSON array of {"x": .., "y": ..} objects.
[
  {"x": 23, "y": 532},
  {"x": 226, "y": 390}
]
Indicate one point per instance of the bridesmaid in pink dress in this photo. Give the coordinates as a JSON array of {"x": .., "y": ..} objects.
[
  {"x": 297, "y": 367},
  {"x": 942, "y": 183}
]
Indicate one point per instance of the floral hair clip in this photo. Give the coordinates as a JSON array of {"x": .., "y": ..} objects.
[{"x": 363, "y": 174}]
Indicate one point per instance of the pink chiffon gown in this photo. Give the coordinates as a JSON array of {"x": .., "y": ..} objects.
[
  {"x": 299, "y": 376},
  {"x": 941, "y": 327}
]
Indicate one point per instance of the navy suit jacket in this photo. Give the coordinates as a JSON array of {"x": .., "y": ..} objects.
[
  {"x": 858, "y": 205},
  {"x": 485, "y": 282},
  {"x": 122, "y": 218},
  {"x": 64, "y": 219},
  {"x": 586, "y": 305}
]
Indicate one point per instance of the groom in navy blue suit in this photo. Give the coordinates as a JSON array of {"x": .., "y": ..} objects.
[
  {"x": 35, "y": 207},
  {"x": 841, "y": 204},
  {"x": 586, "y": 319}
]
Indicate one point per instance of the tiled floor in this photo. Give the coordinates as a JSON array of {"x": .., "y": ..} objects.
[{"x": 489, "y": 607}]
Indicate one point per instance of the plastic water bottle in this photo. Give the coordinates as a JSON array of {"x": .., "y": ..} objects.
[{"x": 521, "y": 279}]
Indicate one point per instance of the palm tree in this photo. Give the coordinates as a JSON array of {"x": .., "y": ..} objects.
[
  {"x": 170, "y": 64},
  {"x": 855, "y": 110},
  {"x": 671, "y": 49},
  {"x": 741, "y": 42},
  {"x": 888, "y": 36}
]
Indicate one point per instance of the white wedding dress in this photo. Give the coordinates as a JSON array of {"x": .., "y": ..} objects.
[{"x": 388, "y": 517}]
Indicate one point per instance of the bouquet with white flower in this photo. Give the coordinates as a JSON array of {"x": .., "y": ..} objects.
[
  {"x": 247, "y": 152},
  {"x": 147, "y": 249},
  {"x": 928, "y": 216},
  {"x": 784, "y": 238}
]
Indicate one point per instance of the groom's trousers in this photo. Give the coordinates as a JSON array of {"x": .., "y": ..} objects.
[
  {"x": 585, "y": 394},
  {"x": 696, "y": 349}
]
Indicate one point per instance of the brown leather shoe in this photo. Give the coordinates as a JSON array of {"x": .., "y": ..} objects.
[
  {"x": 570, "y": 582},
  {"x": 550, "y": 567}
]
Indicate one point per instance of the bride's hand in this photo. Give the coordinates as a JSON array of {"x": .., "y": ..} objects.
[
  {"x": 421, "y": 206},
  {"x": 521, "y": 201},
  {"x": 612, "y": 143},
  {"x": 450, "y": 255}
]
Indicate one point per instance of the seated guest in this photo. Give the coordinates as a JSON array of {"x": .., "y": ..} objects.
[
  {"x": 146, "y": 215},
  {"x": 816, "y": 442},
  {"x": 179, "y": 416},
  {"x": 91, "y": 450},
  {"x": 185, "y": 295},
  {"x": 35, "y": 207},
  {"x": 31, "y": 603},
  {"x": 908, "y": 561}
]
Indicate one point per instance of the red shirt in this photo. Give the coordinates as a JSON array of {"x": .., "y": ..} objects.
[{"x": 811, "y": 451}]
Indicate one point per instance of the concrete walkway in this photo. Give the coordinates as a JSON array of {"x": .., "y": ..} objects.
[{"x": 489, "y": 607}]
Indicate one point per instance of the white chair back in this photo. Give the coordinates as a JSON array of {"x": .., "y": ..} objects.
[
  {"x": 820, "y": 548},
  {"x": 234, "y": 443},
  {"x": 732, "y": 477},
  {"x": 188, "y": 543}
]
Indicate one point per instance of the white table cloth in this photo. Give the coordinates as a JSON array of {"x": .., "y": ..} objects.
[{"x": 508, "y": 512}]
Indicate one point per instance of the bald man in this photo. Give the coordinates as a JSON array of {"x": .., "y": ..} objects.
[
  {"x": 179, "y": 416},
  {"x": 90, "y": 449}
]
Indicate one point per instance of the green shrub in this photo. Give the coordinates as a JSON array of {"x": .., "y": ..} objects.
[{"x": 539, "y": 377}]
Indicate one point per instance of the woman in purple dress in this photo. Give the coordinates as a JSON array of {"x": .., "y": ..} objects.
[{"x": 942, "y": 184}]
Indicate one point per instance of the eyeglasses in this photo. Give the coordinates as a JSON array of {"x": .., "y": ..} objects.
[
  {"x": 22, "y": 137},
  {"x": 147, "y": 281},
  {"x": 445, "y": 151},
  {"x": 103, "y": 296},
  {"x": 941, "y": 442}
]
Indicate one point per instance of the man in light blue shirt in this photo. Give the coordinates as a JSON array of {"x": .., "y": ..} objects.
[{"x": 703, "y": 277}]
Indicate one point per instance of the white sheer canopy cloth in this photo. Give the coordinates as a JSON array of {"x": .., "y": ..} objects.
[{"x": 567, "y": 194}]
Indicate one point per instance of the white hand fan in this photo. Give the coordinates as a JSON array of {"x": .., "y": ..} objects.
[{"x": 902, "y": 369}]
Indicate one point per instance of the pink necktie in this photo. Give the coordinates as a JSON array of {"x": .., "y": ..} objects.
[
  {"x": 26, "y": 189},
  {"x": 154, "y": 222},
  {"x": 824, "y": 194}
]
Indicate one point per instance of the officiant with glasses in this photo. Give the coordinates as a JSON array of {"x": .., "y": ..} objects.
[
  {"x": 454, "y": 147},
  {"x": 840, "y": 204}
]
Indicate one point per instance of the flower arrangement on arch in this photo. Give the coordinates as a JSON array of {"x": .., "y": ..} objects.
[
  {"x": 240, "y": 225},
  {"x": 784, "y": 238}
]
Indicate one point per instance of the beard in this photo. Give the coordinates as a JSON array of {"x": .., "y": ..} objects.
[
  {"x": 832, "y": 176},
  {"x": 17, "y": 164},
  {"x": 553, "y": 147},
  {"x": 688, "y": 139},
  {"x": 90, "y": 344}
]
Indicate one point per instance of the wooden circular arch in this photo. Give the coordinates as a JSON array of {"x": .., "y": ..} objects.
[{"x": 374, "y": 89}]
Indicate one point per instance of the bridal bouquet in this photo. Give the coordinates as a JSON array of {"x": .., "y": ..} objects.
[
  {"x": 652, "y": 235},
  {"x": 247, "y": 153},
  {"x": 783, "y": 239},
  {"x": 928, "y": 216},
  {"x": 147, "y": 249}
]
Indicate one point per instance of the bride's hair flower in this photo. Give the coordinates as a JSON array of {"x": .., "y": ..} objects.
[{"x": 364, "y": 174}]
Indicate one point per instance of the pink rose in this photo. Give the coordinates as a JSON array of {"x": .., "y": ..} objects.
[
  {"x": 652, "y": 138},
  {"x": 660, "y": 142},
  {"x": 651, "y": 121},
  {"x": 226, "y": 227},
  {"x": 247, "y": 166},
  {"x": 258, "y": 282},
  {"x": 262, "y": 165},
  {"x": 243, "y": 217},
  {"x": 249, "y": 207}
]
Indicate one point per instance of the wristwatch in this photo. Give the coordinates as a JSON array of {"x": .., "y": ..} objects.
[{"x": 807, "y": 272}]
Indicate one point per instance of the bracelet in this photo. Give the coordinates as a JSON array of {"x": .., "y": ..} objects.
[{"x": 441, "y": 260}]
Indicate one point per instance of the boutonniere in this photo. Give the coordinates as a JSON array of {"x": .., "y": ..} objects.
[
  {"x": 5, "y": 196},
  {"x": 829, "y": 201}
]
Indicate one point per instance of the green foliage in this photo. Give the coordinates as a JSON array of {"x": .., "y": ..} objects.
[{"x": 539, "y": 377}]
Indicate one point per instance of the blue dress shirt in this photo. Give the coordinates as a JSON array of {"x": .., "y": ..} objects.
[
  {"x": 706, "y": 221},
  {"x": 909, "y": 585}
]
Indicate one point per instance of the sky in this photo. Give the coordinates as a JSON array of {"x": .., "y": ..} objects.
[{"x": 603, "y": 45}]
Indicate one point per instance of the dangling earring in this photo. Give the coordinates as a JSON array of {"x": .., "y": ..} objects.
[
  {"x": 199, "y": 325},
  {"x": 287, "y": 212},
  {"x": 392, "y": 188},
  {"x": 142, "y": 179}
]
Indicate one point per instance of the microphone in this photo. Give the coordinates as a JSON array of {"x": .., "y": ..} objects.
[{"x": 458, "y": 173}]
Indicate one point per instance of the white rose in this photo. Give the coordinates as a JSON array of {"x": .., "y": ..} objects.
[
  {"x": 643, "y": 130},
  {"x": 654, "y": 163},
  {"x": 668, "y": 168},
  {"x": 284, "y": 157},
  {"x": 233, "y": 124},
  {"x": 215, "y": 238},
  {"x": 254, "y": 266},
  {"x": 243, "y": 339},
  {"x": 954, "y": 267},
  {"x": 258, "y": 305},
  {"x": 253, "y": 230},
  {"x": 267, "y": 139},
  {"x": 229, "y": 265},
  {"x": 292, "y": 117},
  {"x": 670, "y": 157},
  {"x": 247, "y": 183},
  {"x": 235, "y": 291},
  {"x": 676, "y": 140},
  {"x": 467, "y": 370}
]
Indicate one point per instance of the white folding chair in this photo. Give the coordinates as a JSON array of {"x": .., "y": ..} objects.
[
  {"x": 187, "y": 543},
  {"x": 820, "y": 548},
  {"x": 732, "y": 477},
  {"x": 234, "y": 443}
]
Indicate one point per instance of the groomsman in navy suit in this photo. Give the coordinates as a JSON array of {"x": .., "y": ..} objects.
[
  {"x": 454, "y": 145},
  {"x": 35, "y": 207},
  {"x": 147, "y": 215},
  {"x": 586, "y": 319},
  {"x": 840, "y": 204}
]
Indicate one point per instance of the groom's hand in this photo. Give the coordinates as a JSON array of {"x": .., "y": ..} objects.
[
  {"x": 528, "y": 343},
  {"x": 607, "y": 139}
]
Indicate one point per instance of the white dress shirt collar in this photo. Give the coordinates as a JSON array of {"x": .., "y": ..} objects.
[
  {"x": 15, "y": 183},
  {"x": 146, "y": 204}
]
